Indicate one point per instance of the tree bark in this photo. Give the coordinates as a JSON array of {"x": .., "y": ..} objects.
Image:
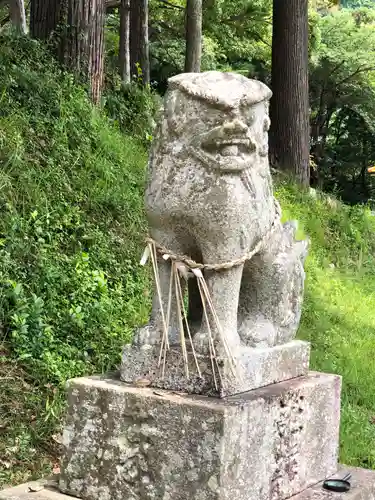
[
  {"x": 82, "y": 42},
  {"x": 80, "y": 39},
  {"x": 139, "y": 43},
  {"x": 193, "y": 53},
  {"x": 44, "y": 18},
  {"x": 17, "y": 15},
  {"x": 289, "y": 136},
  {"x": 124, "y": 48}
]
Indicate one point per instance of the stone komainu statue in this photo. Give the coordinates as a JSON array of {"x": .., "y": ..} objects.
[{"x": 209, "y": 196}]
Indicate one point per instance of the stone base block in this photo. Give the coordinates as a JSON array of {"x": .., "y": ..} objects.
[
  {"x": 256, "y": 367},
  {"x": 125, "y": 442},
  {"x": 363, "y": 488}
]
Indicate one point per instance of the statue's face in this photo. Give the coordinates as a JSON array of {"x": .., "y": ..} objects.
[{"x": 230, "y": 140}]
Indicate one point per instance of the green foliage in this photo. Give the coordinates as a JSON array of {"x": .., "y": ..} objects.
[
  {"x": 356, "y": 4},
  {"x": 134, "y": 108},
  {"x": 342, "y": 101},
  {"x": 71, "y": 221},
  {"x": 236, "y": 35},
  {"x": 30, "y": 416},
  {"x": 243, "y": 31}
]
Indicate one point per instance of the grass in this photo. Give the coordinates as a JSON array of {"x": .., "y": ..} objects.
[
  {"x": 28, "y": 449},
  {"x": 71, "y": 290},
  {"x": 339, "y": 312},
  {"x": 340, "y": 322}
]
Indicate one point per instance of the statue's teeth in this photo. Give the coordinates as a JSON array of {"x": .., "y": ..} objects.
[{"x": 231, "y": 150}]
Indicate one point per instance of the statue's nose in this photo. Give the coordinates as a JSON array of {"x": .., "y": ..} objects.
[{"x": 236, "y": 126}]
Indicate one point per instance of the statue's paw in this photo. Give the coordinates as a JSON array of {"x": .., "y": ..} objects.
[
  {"x": 258, "y": 332},
  {"x": 201, "y": 341},
  {"x": 146, "y": 335}
]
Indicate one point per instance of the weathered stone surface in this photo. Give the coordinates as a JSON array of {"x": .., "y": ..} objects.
[
  {"x": 209, "y": 196},
  {"x": 257, "y": 367},
  {"x": 125, "y": 442},
  {"x": 362, "y": 487}
]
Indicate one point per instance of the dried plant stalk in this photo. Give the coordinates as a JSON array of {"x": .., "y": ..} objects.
[
  {"x": 181, "y": 298},
  {"x": 207, "y": 303}
]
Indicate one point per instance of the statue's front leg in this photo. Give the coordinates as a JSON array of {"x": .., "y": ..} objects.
[{"x": 223, "y": 288}]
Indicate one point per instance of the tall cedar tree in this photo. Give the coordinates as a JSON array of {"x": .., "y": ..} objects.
[
  {"x": 124, "y": 44},
  {"x": 289, "y": 135},
  {"x": 193, "y": 36},
  {"x": 79, "y": 43},
  {"x": 139, "y": 44},
  {"x": 44, "y": 18},
  {"x": 17, "y": 14}
]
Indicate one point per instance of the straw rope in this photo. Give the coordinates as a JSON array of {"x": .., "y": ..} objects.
[{"x": 191, "y": 264}]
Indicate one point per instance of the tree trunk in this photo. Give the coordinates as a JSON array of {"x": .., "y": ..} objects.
[
  {"x": 124, "y": 48},
  {"x": 44, "y": 18},
  {"x": 17, "y": 14},
  {"x": 289, "y": 136},
  {"x": 82, "y": 42},
  {"x": 193, "y": 36},
  {"x": 139, "y": 45}
]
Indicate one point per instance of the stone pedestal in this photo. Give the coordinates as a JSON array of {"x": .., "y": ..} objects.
[
  {"x": 125, "y": 442},
  {"x": 256, "y": 367}
]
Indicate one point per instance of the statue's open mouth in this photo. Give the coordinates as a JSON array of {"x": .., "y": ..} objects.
[
  {"x": 233, "y": 153},
  {"x": 229, "y": 148}
]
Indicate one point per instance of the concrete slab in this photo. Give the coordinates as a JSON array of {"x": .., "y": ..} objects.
[
  {"x": 35, "y": 490},
  {"x": 362, "y": 487}
]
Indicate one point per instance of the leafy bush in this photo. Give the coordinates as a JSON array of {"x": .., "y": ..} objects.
[
  {"x": 133, "y": 108},
  {"x": 340, "y": 234},
  {"x": 71, "y": 220}
]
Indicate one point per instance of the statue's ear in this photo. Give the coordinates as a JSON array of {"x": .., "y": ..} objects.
[{"x": 175, "y": 106}]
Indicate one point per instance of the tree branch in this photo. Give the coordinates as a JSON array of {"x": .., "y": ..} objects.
[
  {"x": 166, "y": 26},
  {"x": 338, "y": 66},
  {"x": 356, "y": 72},
  {"x": 170, "y": 4},
  {"x": 111, "y": 4}
]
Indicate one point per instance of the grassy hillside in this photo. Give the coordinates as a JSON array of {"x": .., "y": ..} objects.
[
  {"x": 71, "y": 291},
  {"x": 71, "y": 226},
  {"x": 339, "y": 309}
]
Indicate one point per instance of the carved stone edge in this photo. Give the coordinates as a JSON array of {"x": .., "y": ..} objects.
[{"x": 256, "y": 367}]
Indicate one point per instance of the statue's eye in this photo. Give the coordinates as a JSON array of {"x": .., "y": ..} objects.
[
  {"x": 251, "y": 118},
  {"x": 266, "y": 124}
]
